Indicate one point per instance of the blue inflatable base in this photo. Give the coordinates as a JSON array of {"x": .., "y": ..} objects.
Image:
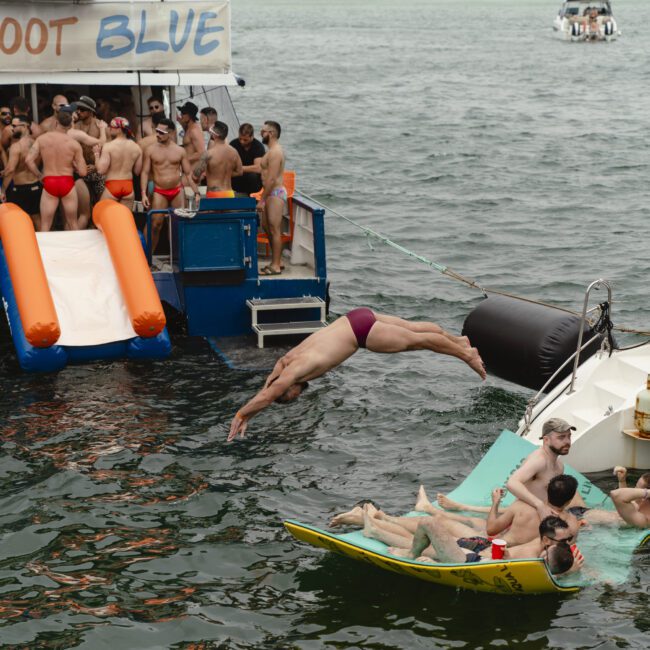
[{"x": 57, "y": 357}]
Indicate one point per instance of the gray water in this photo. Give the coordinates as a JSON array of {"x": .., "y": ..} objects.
[{"x": 464, "y": 131}]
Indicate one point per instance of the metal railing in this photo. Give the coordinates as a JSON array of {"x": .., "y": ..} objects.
[{"x": 575, "y": 357}]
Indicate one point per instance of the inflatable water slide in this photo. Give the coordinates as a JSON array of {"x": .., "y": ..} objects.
[{"x": 79, "y": 296}]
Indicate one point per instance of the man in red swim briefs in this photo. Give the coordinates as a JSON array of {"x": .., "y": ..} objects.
[
  {"x": 164, "y": 162},
  {"x": 119, "y": 160},
  {"x": 61, "y": 156},
  {"x": 332, "y": 345}
]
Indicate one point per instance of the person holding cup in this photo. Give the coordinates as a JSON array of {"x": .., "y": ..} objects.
[{"x": 552, "y": 545}]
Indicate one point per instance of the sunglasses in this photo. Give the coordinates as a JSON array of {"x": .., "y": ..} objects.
[
  {"x": 154, "y": 107},
  {"x": 161, "y": 132},
  {"x": 5, "y": 112}
]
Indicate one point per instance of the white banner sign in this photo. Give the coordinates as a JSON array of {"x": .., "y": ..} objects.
[{"x": 115, "y": 36}]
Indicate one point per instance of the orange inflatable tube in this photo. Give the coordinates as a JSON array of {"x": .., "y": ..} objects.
[
  {"x": 142, "y": 302},
  {"x": 33, "y": 297}
]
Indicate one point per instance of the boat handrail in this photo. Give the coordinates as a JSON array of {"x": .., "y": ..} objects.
[
  {"x": 528, "y": 419},
  {"x": 597, "y": 284}
]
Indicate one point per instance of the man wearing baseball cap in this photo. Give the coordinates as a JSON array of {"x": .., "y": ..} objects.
[
  {"x": 91, "y": 188},
  {"x": 529, "y": 482}
]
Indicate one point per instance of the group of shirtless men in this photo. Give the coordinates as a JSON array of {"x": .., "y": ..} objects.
[
  {"x": 74, "y": 159},
  {"x": 544, "y": 519}
]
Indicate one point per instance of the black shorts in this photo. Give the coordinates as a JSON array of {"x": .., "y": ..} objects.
[{"x": 28, "y": 197}]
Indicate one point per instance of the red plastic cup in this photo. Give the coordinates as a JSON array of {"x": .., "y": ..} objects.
[{"x": 498, "y": 549}]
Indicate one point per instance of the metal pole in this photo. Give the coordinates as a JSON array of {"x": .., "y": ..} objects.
[{"x": 595, "y": 283}]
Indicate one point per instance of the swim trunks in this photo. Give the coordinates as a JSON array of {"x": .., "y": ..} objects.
[
  {"x": 473, "y": 557},
  {"x": 27, "y": 196},
  {"x": 119, "y": 188},
  {"x": 476, "y": 544},
  {"x": 220, "y": 194},
  {"x": 577, "y": 511},
  {"x": 280, "y": 193},
  {"x": 58, "y": 186},
  {"x": 169, "y": 194},
  {"x": 361, "y": 321}
]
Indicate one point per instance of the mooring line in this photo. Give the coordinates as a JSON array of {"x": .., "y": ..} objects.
[{"x": 445, "y": 270}]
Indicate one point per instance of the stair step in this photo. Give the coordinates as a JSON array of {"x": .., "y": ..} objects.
[
  {"x": 270, "y": 304},
  {"x": 586, "y": 417},
  {"x": 278, "y": 329},
  {"x": 619, "y": 389}
]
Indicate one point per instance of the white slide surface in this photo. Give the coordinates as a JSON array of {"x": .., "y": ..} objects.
[{"x": 84, "y": 287}]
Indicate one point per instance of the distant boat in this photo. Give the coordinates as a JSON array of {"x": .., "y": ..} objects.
[{"x": 586, "y": 20}]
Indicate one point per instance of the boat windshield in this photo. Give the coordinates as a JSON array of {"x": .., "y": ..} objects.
[{"x": 584, "y": 7}]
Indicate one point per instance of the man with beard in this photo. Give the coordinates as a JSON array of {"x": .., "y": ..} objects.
[
  {"x": 274, "y": 196},
  {"x": 26, "y": 190},
  {"x": 530, "y": 481},
  {"x": 5, "y": 125},
  {"x": 219, "y": 164},
  {"x": 193, "y": 141},
  {"x": 166, "y": 163},
  {"x": 251, "y": 151},
  {"x": 91, "y": 187},
  {"x": 19, "y": 108},
  {"x": 156, "y": 107},
  {"x": 49, "y": 123}
]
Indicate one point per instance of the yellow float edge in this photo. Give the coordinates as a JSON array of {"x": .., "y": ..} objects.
[{"x": 515, "y": 577}]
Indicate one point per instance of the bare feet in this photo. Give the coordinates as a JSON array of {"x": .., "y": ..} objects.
[
  {"x": 368, "y": 528},
  {"x": 446, "y": 503},
  {"x": 424, "y": 558},
  {"x": 352, "y": 518},
  {"x": 475, "y": 362},
  {"x": 370, "y": 509},
  {"x": 400, "y": 552},
  {"x": 463, "y": 341},
  {"x": 422, "y": 504}
]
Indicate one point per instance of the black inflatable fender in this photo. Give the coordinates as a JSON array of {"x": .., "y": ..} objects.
[{"x": 524, "y": 342}]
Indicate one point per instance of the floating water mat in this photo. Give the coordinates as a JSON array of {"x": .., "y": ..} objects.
[{"x": 608, "y": 550}]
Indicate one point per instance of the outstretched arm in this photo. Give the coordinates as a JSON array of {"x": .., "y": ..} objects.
[
  {"x": 264, "y": 398},
  {"x": 516, "y": 485},
  {"x": 624, "y": 498}
]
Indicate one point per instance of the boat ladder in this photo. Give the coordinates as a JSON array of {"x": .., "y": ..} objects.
[{"x": 257, "y": 305}]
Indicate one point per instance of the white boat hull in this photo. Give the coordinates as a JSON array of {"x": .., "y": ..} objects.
[
  {"x": 601, "y": 407},
  {"x": 577, "y": 32}
]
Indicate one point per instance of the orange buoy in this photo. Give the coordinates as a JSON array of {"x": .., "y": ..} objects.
[
  {"x": 33, "y": 297},
  {"x": 142, "y": 302}
]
